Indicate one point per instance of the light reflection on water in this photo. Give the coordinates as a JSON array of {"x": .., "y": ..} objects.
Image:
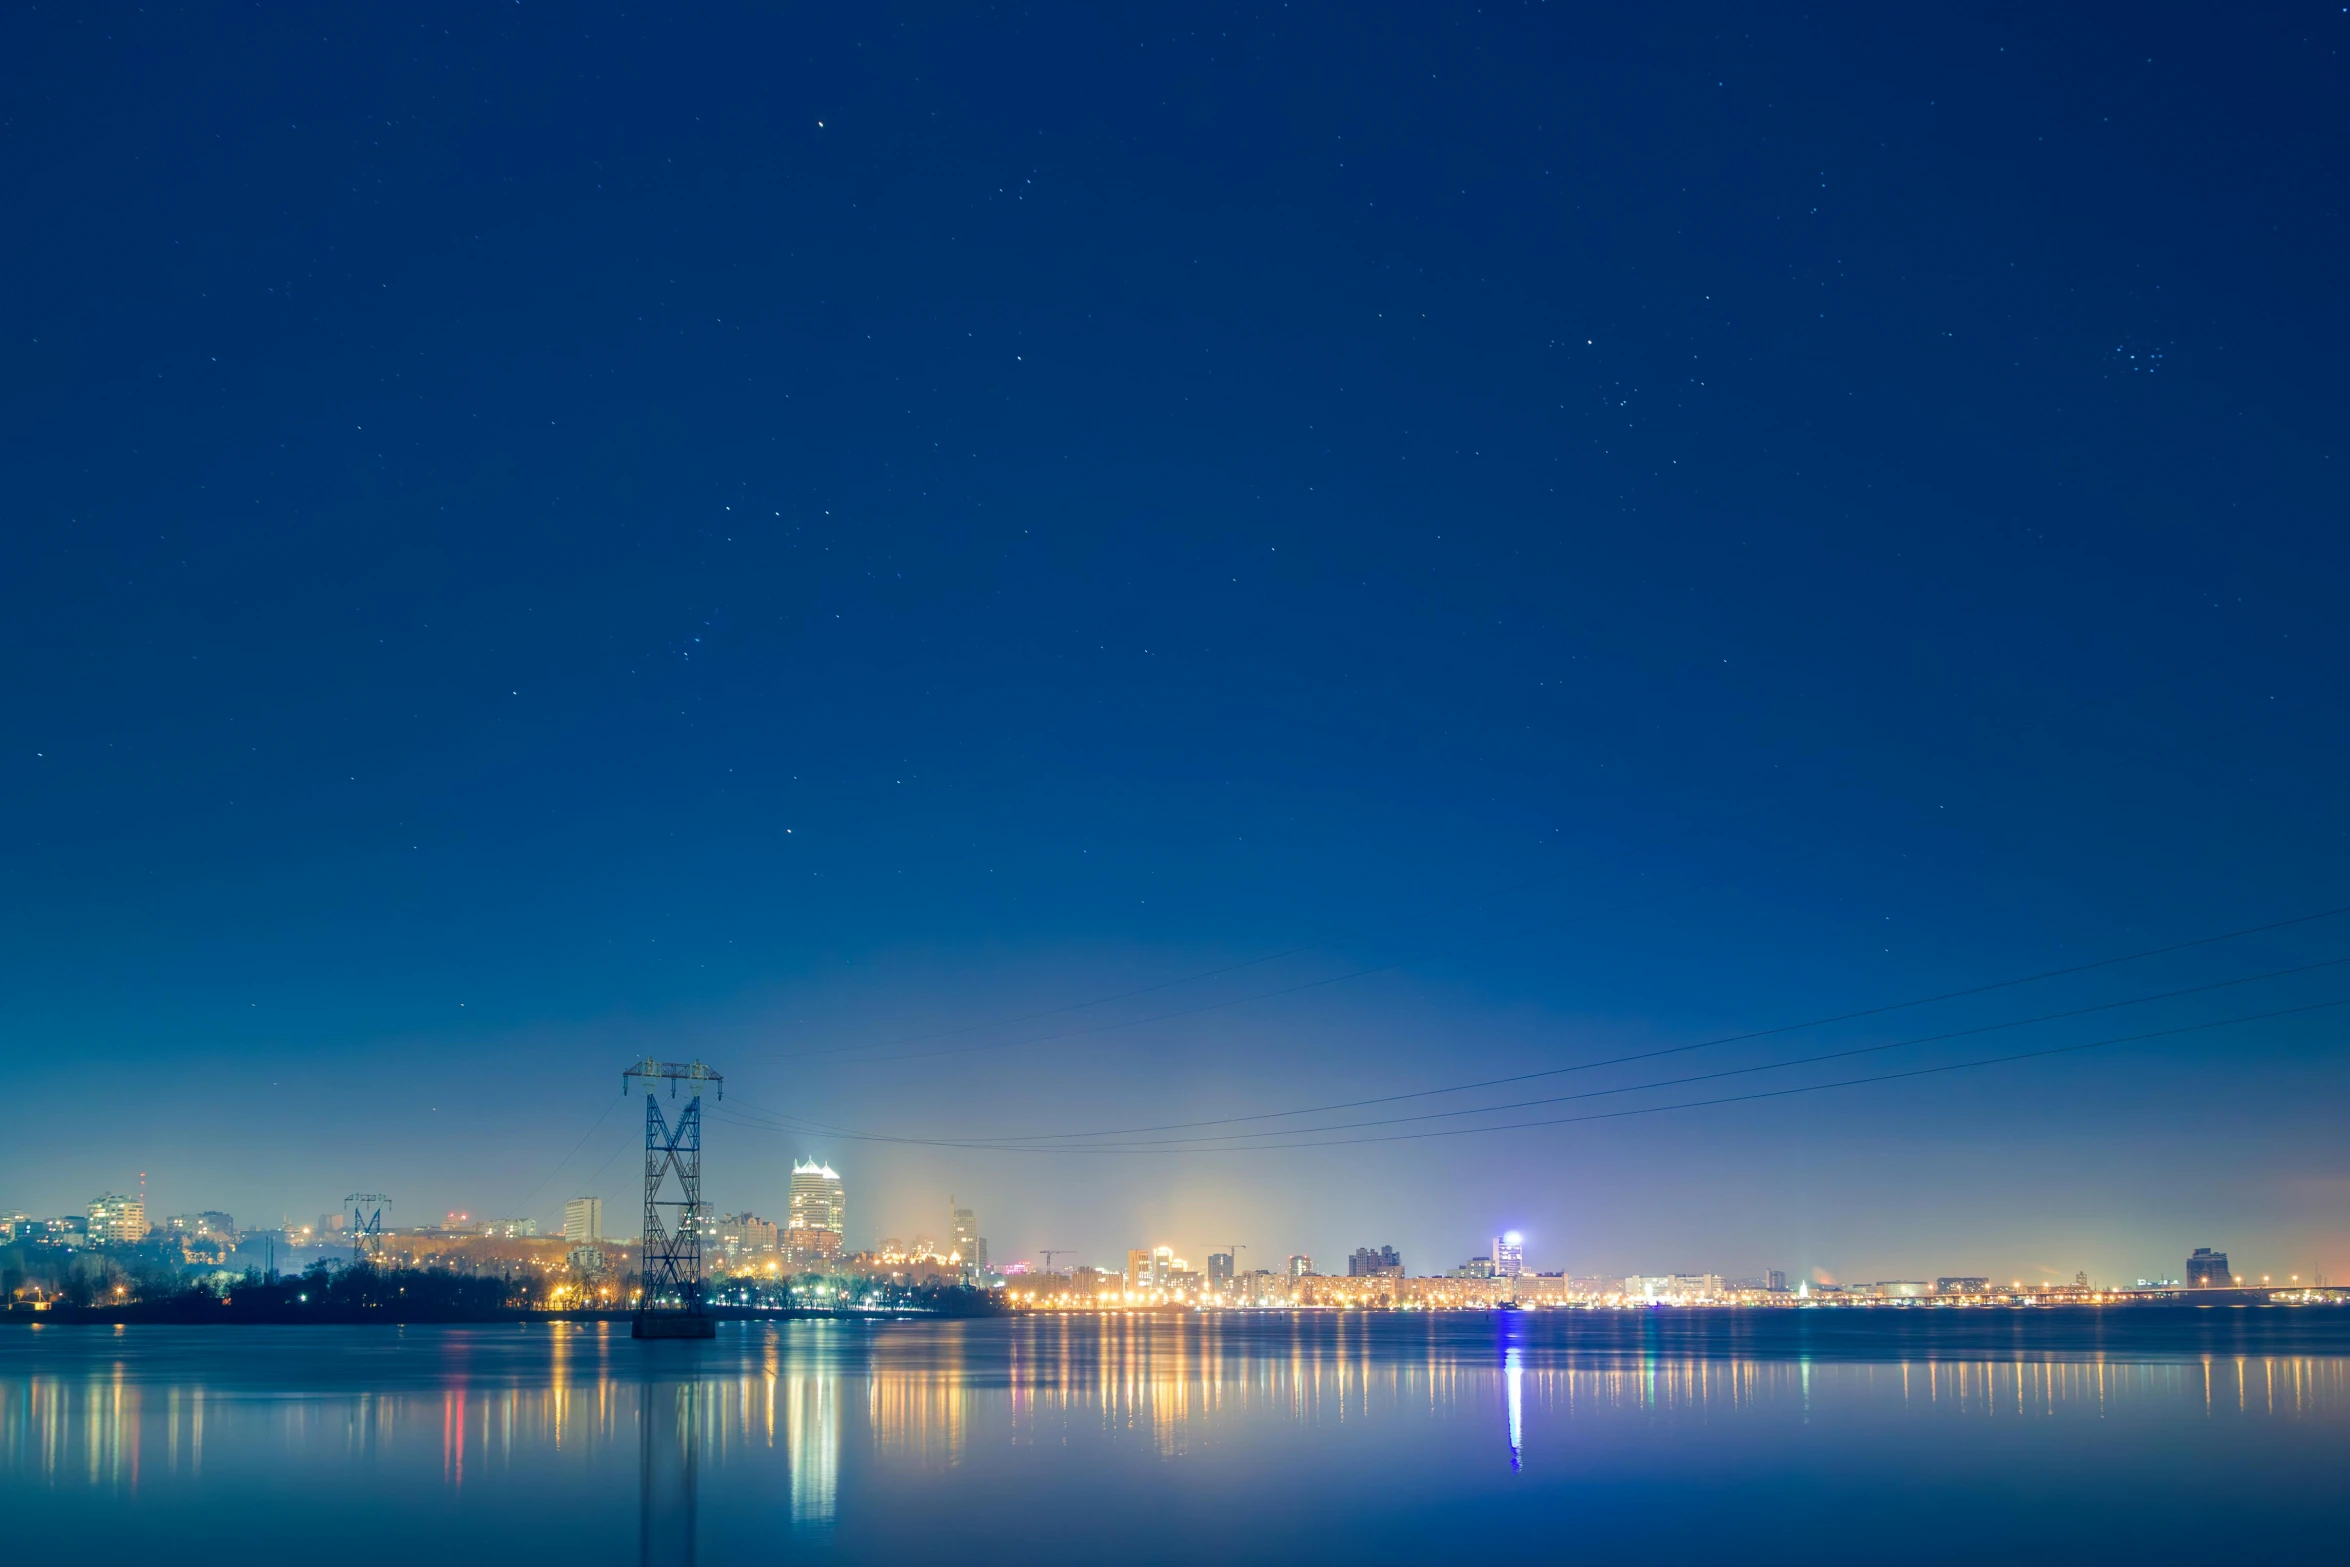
[{"x": 856, "y": 1438}]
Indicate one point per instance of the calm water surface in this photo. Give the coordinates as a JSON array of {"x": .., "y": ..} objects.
[{"x": 1774, "y": 1436}]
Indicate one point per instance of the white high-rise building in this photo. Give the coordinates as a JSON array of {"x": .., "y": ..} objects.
[
  {"x": 817, "y": 1201},
  {"x": 1509, "y": 1255},
  {"x": 583, "y": 1220},
  {"x": 819, "y": 1213}
]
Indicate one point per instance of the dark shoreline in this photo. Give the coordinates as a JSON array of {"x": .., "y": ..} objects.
[{"x": 172, "y": 1315}]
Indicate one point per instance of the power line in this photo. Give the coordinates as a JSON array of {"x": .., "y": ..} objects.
[
  {"x": 1610, "y": 1115},
  {"x": 1703, "y": 1044},
  {"x": 524, "y": 1208},
  {"x": 1809, "y": 1088},
  {"x": 1741, "y": 1071}
]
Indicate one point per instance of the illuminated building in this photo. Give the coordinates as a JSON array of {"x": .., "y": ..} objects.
[
  {"x": 1509, "y": 1255},
  {"x": 511, "y": 1229},
  {"x": 2206, "y": 1269},
  {"x": 819, "y": 1214},
  {"x": 1152, "y": 1269},
  {"x": 820, "y": 1247},
  {"x": 1365, "y": 1263},
  {"x": 1955, "y": 1286},
  {"x": 71, "y": 1229},
  {"x": 970, "y": 1247},
  {"x": 202, "y": 1237},
  {"x": 1300, "y": 1264},
  {"x": 1219, "y": 1270},
  {"x": 1545, "y": 1289},
  {"x": 1461, "y": 1292},
  {"x": 117, "y": 1220},
  {"x": 583, "y": 1220},
  {"x": 1356, "y": 1291},
  {"x": 1673, "y": 1288},
  {"x": 743, "y": 1235}
]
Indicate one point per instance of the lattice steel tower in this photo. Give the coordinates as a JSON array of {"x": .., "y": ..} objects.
[
  {"x": 671, "y": 1303},
  {"x": 363, "y": 1220}
]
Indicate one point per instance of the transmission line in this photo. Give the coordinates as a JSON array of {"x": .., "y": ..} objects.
[
  {"x": 1707, "y": 1044},
  {"x": 1598, "y": 1115}
]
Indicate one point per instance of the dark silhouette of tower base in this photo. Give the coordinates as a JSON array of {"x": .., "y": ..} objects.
[{"x": 669, "y": 1303}]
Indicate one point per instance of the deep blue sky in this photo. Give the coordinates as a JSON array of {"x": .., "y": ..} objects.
[{"x": 540, "y": 533}]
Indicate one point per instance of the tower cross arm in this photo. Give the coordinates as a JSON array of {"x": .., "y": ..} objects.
[{"x": 649, "y": 1071}]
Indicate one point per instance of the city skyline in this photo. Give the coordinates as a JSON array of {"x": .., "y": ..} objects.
[{"x": 111, "y": 1217}]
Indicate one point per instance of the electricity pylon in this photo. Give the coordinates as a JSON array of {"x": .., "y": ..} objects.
[
  {"x": 364, "y": 1219},
  {"x": 671, "y": 1277}
]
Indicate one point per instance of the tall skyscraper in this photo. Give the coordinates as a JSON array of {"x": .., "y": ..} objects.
[
  {"x": 965, "y": 1241},
  {"x": 817, "y": 1201},
  {"x": 819, "y": 1213},
  {"x": 583, "y": 1220},
  {"x": 1365, "y": 1263},
  {"x": 1300, "y": 1265},
  {"x": 1509, "y": 1255},
  {"x": 1220, "y": 1269}
]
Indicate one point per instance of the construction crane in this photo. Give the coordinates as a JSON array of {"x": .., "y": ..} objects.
[
  {"x": 1050, "y": 1252},
  {"x": 1233, "y": 1249}
]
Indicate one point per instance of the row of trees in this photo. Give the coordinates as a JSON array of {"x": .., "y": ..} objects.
[
  {"x": 150, "y": 1284},
  {"x": 124, "y": 1282}
]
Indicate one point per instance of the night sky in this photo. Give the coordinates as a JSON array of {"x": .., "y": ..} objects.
[{"x": 1027, "y": 573}]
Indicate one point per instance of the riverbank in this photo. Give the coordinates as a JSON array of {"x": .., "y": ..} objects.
[{"x": 180, "y": 1313}]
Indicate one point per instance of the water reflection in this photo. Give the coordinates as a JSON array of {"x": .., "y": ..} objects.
[
  {"x": 786, "y": 1427},
  {"x": 1513, "y": 1375},
  {"x": 103, "y": 1423},
  {"x": 668, "y": 1469}
]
